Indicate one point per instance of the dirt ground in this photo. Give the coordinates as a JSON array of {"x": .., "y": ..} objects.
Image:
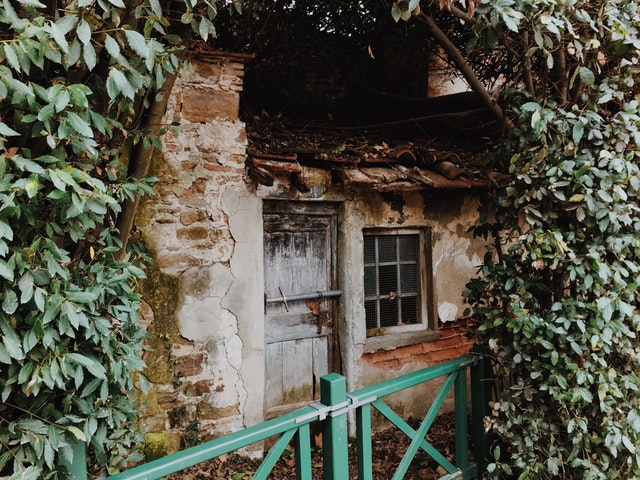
[{"x": 388, "y": 448}]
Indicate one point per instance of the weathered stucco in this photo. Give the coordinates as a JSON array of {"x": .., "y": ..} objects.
[{"x": 204, "y": 297}]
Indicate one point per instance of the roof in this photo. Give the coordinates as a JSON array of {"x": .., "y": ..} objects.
[{"x": 364, "y": 157}]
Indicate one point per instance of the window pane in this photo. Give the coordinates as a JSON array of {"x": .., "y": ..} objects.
[
  {"x": 388, "y": 280},
  {"x": 409, "y": 280},
  {"x": 386, "y": 248},
  {"x": 388, "y": 313},
  {"x": 370, "y": 309},
  {"x": 408, "y": 247},
  {"x": 369, "y": 281},
  {"x": 392, "y": 280},
  {"x": 410, "y": 310},
  {"x": 369, "y": 249}
]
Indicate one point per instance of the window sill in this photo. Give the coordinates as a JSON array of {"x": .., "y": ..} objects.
[{"x": 402, "y": 339}]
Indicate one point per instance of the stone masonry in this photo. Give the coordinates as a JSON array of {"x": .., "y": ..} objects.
[{"x": 203, "y": 299}]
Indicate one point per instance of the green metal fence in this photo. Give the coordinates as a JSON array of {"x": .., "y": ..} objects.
[{"x": 335, "y": 403}]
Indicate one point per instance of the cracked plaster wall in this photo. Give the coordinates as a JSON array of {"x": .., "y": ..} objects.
[
  {"x": 201, "y": 227},
  {"x": 204, "y": 228}
]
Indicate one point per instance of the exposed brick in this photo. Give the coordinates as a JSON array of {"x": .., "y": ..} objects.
[
  {"x": 187, "y": 218},
  {"x": 203, "y": 106},
  {"x": 155, "y": 423},
  {"x": 203, "y": 386},
  {"x": 168, "y": 261},
  {"x": 207, "y": 412},
  {"x": 188, "y": 166},
  {"x": 192, "y": 233},
  {"x": 446, "y": 342},
  {"x": 212, "y": 167},
  {"x": 190, "y": 365},
  {"x": 172, "y": 146},
  {"x": 167, "y": 401},
  {"x": 207, "y": 70},
  {"x": 442, "y": 355},
  {"x": 197, "y": 187}
]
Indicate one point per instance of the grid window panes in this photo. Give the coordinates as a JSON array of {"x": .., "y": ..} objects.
[{"x": 392, "y": 280}]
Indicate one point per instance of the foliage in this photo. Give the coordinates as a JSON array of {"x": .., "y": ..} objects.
[
  {"x": 76, "y": 78},
  {"x": 558, "y": 296}
]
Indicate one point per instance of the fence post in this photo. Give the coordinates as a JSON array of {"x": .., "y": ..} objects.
[
  {"x": 481, "y": 385},
  {"x": 77, "y": 467},
  {"x": 335, "y": 441},
  {"x": 462, "y": 445}
]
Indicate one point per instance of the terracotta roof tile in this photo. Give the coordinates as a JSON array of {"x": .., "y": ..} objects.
[{"x": 362, "y": 159}]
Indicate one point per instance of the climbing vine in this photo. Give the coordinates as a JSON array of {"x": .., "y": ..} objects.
[
  {"x": 82, "y": 86},
  {"x": 558, "y": 292}
]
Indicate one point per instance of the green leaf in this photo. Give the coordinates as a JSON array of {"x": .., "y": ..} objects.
[
  {"x": 90, "y": 57},
  {"x": 6, "y": 231},
  {"x": 587, "y": 76},
  {"x": 46, "y": 112},
  {"x": 138, "y": 43},
  {"x": 26, "y": 287},
  {"x": 32, "y": 3},
  {"x": 79, "y": 94},
  {"x": 6, "y": 131},
  {"x": 5, "y": 271},
  {"x": 112, "y": 46},
  {"x": 10, "y": 302},
  {"x": 11, "y": 340},
  {"x": 58, "y": 36},
  {"x": 6, "y": 359},
  {"x": 12, "y": 56},
  {"x": 90, "y": 363},
  {"x": 27, "y": 165},
  {"x": 578, "y": 131},
  {"x": 83, "y": 30},
  {"x": 79, "y": 434},
  {"x": 79, "y": 125},
  {"x": 62, "y": 99},
  {"x": 118, "y": 84}
]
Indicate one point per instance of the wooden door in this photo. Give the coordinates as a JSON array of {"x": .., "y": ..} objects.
[{"x": 299, "y": 259}]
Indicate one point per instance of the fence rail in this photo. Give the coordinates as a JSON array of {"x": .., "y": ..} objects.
[{"x": 332, "y": 411}]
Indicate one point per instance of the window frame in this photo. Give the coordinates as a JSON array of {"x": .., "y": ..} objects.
[{"x": 424, "y": 329}]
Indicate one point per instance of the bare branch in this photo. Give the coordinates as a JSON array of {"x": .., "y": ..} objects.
[
  {"x": 526, "y": 65},
  {"x": 561, "y": 72},
  {"x": 456, "y": 57},
  {"x": 461, "y": 14}
]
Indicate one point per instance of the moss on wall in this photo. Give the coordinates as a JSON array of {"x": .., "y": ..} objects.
[
  {"x": 158, "y": 445},
  {"x": 160, "y": 291}
]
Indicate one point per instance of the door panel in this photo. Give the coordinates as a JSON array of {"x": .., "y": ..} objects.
[{"x": 299, "y": 252}]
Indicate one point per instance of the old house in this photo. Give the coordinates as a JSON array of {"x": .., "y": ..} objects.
[{"x": 283, "y": 253}]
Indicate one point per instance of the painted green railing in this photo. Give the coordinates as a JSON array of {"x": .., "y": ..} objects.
[{"x": 332, "y": 410}]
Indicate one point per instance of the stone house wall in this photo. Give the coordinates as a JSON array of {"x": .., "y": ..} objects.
[{"x": 203, "y": 299}]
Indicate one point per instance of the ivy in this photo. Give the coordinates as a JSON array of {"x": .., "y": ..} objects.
[
  {"x": 558, "y": 292},
  {"x": 75, "y": 82}
]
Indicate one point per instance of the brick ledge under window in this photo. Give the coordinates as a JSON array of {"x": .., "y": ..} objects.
[{"x": 395, "y": 340}]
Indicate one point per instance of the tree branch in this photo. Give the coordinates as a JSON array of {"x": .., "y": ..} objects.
[
  {"x": 561, "y": 70},
  {"x": 526, "y": 65},
  {"x": 140, "y": 160},
  {"x": 456, "y": 57},
  {"x": 461, "y": 14}
]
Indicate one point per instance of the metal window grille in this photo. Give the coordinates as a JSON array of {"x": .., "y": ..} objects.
[{"x": 392, "y": 280}]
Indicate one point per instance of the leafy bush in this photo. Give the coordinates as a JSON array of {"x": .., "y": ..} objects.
[
  {"x": 558, "y": 295},
  {"x": 76, "y": 81}
]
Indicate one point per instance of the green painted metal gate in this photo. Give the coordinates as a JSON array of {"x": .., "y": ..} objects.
[{"x": 335, "y": 403}]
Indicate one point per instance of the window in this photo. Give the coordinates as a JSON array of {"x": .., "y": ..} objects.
[{"x": 395, "y": 287}]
